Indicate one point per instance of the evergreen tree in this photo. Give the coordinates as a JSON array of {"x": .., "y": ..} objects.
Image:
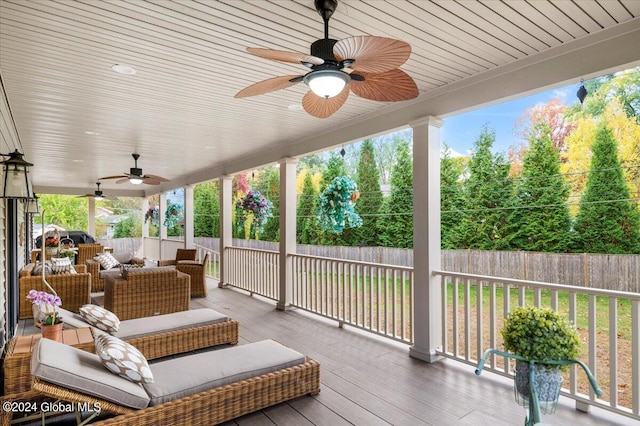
[
  {"x": 129, "y": 227},
  {"x": 205, "y": 210},
  {"x": 607, "y": 221},
  {"x": 451, "y": 198},
  {"x": 540, "y": 219},
  {"x": 396, "y": 223},
  {"x": 268, "y": 183},
  {"x": 487, "y": 193},
  {"x": 368, "y": 206},
  {"x": 306, "y": 228}
]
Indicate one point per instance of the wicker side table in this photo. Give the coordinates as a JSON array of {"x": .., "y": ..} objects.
[{"x": 17, "y": 362}]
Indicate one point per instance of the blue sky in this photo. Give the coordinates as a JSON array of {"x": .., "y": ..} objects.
[{"x": 461, "y": 131}]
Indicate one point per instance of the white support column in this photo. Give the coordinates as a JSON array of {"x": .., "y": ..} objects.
[
  {"x": 145, "y": 229},
  {"x": 162, "y": 228},
  {"x": 145, "y": 223},
  {"x": 226, "y": 236},
  {"x": 427, "y": 334},
  {"x": 92, "y": 217},
  {"x": 287, "y": 228},
  {"x": 188, "y": 216}
]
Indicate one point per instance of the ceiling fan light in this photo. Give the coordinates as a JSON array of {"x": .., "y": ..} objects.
[
  {"x": 135, "y": 180},
  {"x": 98, "y": 198},
  {"x": 327, "y": 83}
]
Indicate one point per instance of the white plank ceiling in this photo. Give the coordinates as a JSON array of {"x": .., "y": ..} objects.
[{"x": 179, "y": 112}]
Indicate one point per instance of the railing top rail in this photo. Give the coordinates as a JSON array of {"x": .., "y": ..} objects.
[
  {"x": 354, "y": 262},
  {"x": 205, "y": 248},
  {"x": 252, "y": 249},
  {"x": 549, "y": 286}
]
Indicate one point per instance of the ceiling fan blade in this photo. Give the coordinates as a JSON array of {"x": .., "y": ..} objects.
[
  {"x": 372, "y": 54},
  {"x": 284, "y": 56},
  {"x": 155, "y": 177},
  {"x": 123, "y": 180},
  {"x": 320, "y": 107},
  {"x": 270, "y": 85},
  {"x": 148, "y": 181},
  {"x": 391, "y": 86},
  {"x": 85, "y": 195},
  {"x": 112, "y": 177}
]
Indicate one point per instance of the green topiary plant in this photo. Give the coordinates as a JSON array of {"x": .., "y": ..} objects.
[{"x": 540, "y": 334}]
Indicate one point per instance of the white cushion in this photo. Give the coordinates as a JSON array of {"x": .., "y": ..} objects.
[
  {"x": 123, "y": 359},
  {"x": 106, "y": 260},
  {"x": 100, "y": 317},
  {"x": 188, "y": 375},
  {"x": 61, "y": 265},
  {"x": 72, "y": 368}
]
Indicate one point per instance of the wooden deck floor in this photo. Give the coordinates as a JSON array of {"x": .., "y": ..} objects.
[{"x": 370, "y": 381}]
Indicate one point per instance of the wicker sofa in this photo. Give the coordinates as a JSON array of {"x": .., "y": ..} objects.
[
  {"x": 73, "y": 289},
  {"x": 97, "y": 273},
  {"x": 147, "y": 292}
]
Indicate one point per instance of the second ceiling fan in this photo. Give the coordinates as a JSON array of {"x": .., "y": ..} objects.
[
  {"x": 136, "y": 177},
  {"x": 366, "y": 65}
]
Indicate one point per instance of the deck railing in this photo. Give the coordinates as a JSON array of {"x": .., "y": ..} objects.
[
  {"x": 474, "y": 308},
  {"x": 370, "y": 296},
  {"x": 379, "y": 298},
  {"x": 256, "y": 271},
  {"x": 213, "y": 267}
]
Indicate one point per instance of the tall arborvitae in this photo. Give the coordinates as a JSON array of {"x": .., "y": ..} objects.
[
  {"x": 396, "y": 221},
  {"x": 206, "y": 222},
  {"x": 607, "y": 222},
  {"x": 368, "y": 206},
  {"x": 451, "y": 198},
  {"x": 306, "y": 228},
  {"x": 487, "y": 192},
  {"x": 540, "y": 219}
]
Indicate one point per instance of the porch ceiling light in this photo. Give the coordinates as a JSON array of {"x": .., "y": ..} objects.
[
  {"x": 15, "y": 177},
  {"x": 327, "y": 83},
  {"x": 136, "y": 180}
]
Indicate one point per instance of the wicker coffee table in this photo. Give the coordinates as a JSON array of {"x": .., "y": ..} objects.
[{"x": 17, "y": 362}]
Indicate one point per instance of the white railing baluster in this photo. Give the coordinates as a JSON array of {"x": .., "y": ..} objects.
[
  {"x": 613, "y": 351},
  {"x": 635, "y": 357},
  {"x": 455, "y": 299},
  {"x": 593, "y": 341},
  {"x": 467, "y": 319}
]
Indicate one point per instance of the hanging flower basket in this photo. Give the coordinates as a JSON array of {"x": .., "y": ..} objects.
[
  {"x": 253, "y": 204},
  {"x": 336, "y": 206}
]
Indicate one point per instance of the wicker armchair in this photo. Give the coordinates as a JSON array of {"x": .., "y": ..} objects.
[
  {"x": 88, "y": 251},
  {"x": 74, "y": 289},
  {"x": 198, "y": 273},
  {"x": 181, "y": 254},
  {"x": 147, "y": 292},
  {"x": 94, "y": 268}
]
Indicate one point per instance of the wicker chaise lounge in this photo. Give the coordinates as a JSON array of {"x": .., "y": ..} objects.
[
  {"x": 236, "y": 381},
  {"x": 155, "y": 337}
]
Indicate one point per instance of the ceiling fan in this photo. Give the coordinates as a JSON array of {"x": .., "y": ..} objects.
[
  {"x": 366, "y": 65},
  {"x": 97, "y": 194},
  {"x": 136, "y": 177}
]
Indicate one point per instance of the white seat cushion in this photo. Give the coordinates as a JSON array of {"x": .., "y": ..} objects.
[
  {"x": 139, "y": 327},
  {"x": 82, "y": 371},
  {"x": 188, "y": 375}
]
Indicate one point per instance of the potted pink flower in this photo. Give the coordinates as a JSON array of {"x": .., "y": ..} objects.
[{"x": 50, "y": 321}]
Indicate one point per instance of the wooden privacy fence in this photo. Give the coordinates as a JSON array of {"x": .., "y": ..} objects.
[{"x": 620, "y": 272}]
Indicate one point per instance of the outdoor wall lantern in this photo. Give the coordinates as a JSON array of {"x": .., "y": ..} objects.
[{"x": 15, "y": 177}]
